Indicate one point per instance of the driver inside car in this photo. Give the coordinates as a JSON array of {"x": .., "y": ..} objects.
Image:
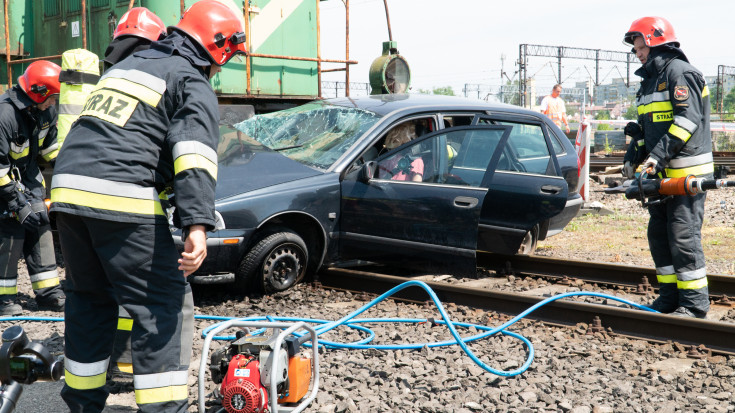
[{"x": 402, "y": 166}]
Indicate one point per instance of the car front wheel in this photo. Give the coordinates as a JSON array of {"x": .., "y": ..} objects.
[{"x": 274, "y": 264}]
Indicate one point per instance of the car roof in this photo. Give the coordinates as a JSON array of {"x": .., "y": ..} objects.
[{"x": 385, "y": 104}]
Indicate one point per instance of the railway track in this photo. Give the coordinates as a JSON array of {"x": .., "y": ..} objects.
[
  {"x": 635, "y": 278},
  {"x": 699, "y": 335},
  {"x": 598, "y": 164}
]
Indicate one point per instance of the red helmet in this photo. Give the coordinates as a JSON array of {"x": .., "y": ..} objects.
[
  {"x": 140, "y": 22},
  {"x": 40, "y": 80},
  {"x": 655, "y": 31},
  {"x": 216, "y": 27}
]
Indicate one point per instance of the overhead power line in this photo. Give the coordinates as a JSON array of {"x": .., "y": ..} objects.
[{"x": 561, "y": 52}]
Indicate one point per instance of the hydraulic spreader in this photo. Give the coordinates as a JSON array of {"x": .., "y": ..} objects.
[{"x": 661, "y": 189}]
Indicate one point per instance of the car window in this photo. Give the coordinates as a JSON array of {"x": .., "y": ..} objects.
[
  {"x": 526, "y": 150},
  {"x": 456, "y": 120},
  {"x": 556, "y": 143},
  {"x": 456, "y": 158},
  {"x": 315, "y": 134}
]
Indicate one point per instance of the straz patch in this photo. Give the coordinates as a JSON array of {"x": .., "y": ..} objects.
[
  {"x": 662, "y": 86},
  {"x": 110, "y": 106},
  {"x": 663, "y": 117},
  {"x": 681, "y": 92}
]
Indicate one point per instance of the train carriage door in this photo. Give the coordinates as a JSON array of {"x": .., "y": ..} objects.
[
  {"x": 425, "y": 220},
  {"x": 525, "y": 186}
]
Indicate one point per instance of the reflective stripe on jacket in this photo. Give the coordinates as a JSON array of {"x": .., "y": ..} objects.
[
  {"x": 673, "y": 111},
  {"x": 151, "y": 122},
  {"x": 80, "y": 72},
  {"x": 25, "y": 133}
]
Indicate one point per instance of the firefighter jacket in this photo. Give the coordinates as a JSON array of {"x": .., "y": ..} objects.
[
  {"x": 150, "y": 123},
  {"x": 25, "y": 133},
  {"x": 79, "y": 73},
  {"x": 673, "y": 112}
]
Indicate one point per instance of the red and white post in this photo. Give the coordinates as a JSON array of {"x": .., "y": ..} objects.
[{"x": 583, "y": 152}]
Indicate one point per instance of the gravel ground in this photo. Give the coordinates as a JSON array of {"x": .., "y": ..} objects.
[{"x": 572, "y": 371}]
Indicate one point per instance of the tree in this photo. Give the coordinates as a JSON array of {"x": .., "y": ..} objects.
[
  {"x": 603, "y": 115},
  {"x": 424, "y": 91},
  {"x": 631, "y": 113},
  {"x": 444, "y": 90},
  {"x": 728, "y": 103}
]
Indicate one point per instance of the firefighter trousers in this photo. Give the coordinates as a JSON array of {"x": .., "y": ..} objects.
[
  {"x": 675, "y": 240},
  {"x": 37, "y": 247},
  {"x": 134, "y": 266}
]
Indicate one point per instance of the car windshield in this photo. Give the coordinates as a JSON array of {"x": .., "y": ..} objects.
[{"x": 315, "y": 134}]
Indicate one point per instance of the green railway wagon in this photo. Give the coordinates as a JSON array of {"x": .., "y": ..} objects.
[{"x": 282, "y": 38}]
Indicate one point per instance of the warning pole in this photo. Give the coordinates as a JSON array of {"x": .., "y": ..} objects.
[{"x": 583, "y": 153}]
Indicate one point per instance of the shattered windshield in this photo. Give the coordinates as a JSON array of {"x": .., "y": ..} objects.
[{"x": 315, "y": 134}]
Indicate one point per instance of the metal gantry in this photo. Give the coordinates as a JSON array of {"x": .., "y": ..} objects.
[
  {"x": 722, "y": 71},
  {"x": 560, "y": 52}
]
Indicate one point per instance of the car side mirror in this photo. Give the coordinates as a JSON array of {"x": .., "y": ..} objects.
[{"x": 367, "y": 172}]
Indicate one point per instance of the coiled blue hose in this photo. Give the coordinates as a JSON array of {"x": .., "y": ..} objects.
[{"x": 351, "y": 322}]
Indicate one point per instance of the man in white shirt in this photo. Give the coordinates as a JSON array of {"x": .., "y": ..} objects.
[{"x": 553, "y": 107}]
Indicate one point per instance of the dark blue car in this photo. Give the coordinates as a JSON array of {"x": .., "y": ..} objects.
[{"x": 324, "y": 183}]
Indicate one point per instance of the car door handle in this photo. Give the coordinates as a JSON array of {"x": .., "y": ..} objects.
[
  {"x": 550, "y": 189},
  {"x": 465, "y": 202}
]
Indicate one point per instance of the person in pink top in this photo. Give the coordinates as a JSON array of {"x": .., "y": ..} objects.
[{"x": 400, "y": 167}]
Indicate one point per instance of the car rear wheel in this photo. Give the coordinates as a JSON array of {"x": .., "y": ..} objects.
[
  {"x": 528, "y": 246},
  {"x": 275, "y": 263}
]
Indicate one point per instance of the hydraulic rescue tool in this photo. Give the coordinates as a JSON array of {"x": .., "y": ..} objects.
[
  {"x": 23, "y": 362},
  {"x": 260, "y": 373},
  {"x": 662, "y": 189}
]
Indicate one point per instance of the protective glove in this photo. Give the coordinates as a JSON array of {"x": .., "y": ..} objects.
[
  {"x": 633, "y": 129},
  {"x": 628, "y": 170},
  {"x": 650, "y": 166},
  {"x": 22, "y": 211},
  {"x": 40, "y": 209}
]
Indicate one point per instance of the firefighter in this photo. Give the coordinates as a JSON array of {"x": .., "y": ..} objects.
[
  {"x": 672, "y": 139},
  {"x": 151, "y": 123},
  {"x": 27, "y": 135},
  {"x": 135, "y": 31}
]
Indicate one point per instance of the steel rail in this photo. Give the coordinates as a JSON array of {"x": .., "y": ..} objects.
[
  {"x": 715, "y": 336},
  {"x": 628, "y": 275},
  {"x": 600, "y": 163}
]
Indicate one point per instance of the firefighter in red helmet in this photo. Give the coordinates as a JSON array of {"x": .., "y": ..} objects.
[
  {"x": 27, "y": 135},
  {"x": 149, "y": 127},
  {"x": 672, "y": 139},
  {"x": 135, "y": 31}
]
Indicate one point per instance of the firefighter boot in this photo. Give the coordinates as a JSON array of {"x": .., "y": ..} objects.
[
  {"x": 52, "y": 300},
  {"x": 693, "y": 303},
  {"x": 8, "y": 306},
  {"x": 668, "y": 299}
]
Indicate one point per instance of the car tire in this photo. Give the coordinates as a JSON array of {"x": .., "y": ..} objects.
[
  {"x": 528, "y": 246},
  {"x": 276, "y": 263}
]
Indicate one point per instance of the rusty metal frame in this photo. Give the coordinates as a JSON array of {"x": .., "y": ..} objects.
[
  {"x": 9, "y": 62},
  {"x": 318, "y": 59},
  {"x": 246, "y": 15}
]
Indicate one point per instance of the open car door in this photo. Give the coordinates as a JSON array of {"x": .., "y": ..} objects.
[
  {"x": 525, "y": 186},
  {"x": 430, "y": 223}
]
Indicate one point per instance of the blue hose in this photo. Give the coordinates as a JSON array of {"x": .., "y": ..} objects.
[{"x": 350, "y": 321}]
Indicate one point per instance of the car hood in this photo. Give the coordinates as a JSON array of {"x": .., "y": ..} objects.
[{"x": 256, "y": 168}]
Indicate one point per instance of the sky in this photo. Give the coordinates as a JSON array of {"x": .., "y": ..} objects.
[{"x": 453, "y": 42}]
